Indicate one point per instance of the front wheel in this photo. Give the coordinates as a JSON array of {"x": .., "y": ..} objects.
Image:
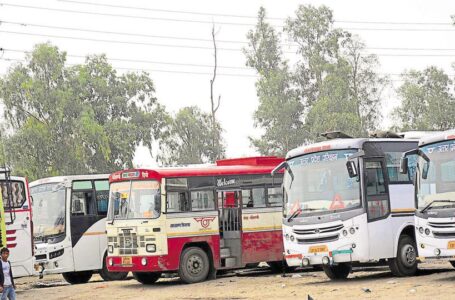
[
  {"x": 337, "y": 272},
  {"x": 147, "y": 277},
  {"x": 405, "y": 264},
  {"x": 77, "y": 277},
  {"x": 194, "y": 265},
  {"x": 111, "y": 276}
]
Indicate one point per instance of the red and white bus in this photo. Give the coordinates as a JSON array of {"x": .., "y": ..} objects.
[
  {"x": 195, "y": 220},
  {"x": 18, "y": 219}
]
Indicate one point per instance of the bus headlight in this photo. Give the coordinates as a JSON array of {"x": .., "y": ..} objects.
[
  {"x": 144, "y": 261},
  {"x": 110, "y": 248},
  {"x": 345, "y": 232},
  {"x": 421, "y": 230},
  {"x": 287, "y": 237},
  {"x": 351, "y": 230},
  {"x": 427, "y": 231},
  {"x": 292, "y": 238},
  {"x": 110, "y": 261},
  {"x": 150, "y": 248}
]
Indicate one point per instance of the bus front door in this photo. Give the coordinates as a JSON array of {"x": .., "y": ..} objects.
[{"x": 230, "y": 212}]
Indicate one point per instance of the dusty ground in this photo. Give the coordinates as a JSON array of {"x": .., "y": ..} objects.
[{"x": 434, "y": 281}]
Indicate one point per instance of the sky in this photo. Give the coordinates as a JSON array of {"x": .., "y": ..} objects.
[{"x": 172, "y": 41}]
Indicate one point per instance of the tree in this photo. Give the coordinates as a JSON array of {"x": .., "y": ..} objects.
[
  {"x": 75, "y": 120},
  {"x": 427, "y": 101},
  {"x": 279, "y": 111},
  {"x": 190, "y": 139}
]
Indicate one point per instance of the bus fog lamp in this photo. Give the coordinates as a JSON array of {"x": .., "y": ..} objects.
[
  {"x": 351, "y": 230},
  {"x": 437, "y": 252},
  {"x": 305, "y": 262},
  {"x": 353, "y": 246},
  {"x": 144, "y": 261},
  {"x": 422, "y": 246},
  {"x": 292, "y": 238},
  {"x": 427, "y": 231},
  {"x": 150, "y": 248},
  {"x": 56, "y": 264},
  {"x": 345, "y": 232},
  {"x": 325, "y": 260}
]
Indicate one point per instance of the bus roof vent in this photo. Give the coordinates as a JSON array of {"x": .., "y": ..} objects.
[
  {"x": 335, "y": 135},
  {"x": 385, "y": 134},
  {"x": 251, "y": 161}
]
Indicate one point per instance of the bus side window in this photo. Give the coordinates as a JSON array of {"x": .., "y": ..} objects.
[
  {"x": 101, "y": 196},
  {"x": 275, "y": 197},
  {"x": 82, "y": 199},
  {"x": 202, "y": 200},
  {"x": 177, "y": 202},
  {"x": 377, "y": 197}
]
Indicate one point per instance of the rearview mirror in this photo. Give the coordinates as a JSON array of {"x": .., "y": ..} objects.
[
  {"x": 352, "y": 169},
  {"x": 404, "y": 165},
  {"x": 426, "y": 167}
]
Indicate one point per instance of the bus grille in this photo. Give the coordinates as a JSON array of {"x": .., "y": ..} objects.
[
  {"x": 323, "y": 239},
  {"x": 442, "y": 234},
  {"x": 318, "y": 230},
  {"x": 127, "y": 243},
  {"x": 442, "y": 224}
]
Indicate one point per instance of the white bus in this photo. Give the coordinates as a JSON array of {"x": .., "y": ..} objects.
[
  {"x": 69, "y": 216},
  {"x": 434, "y": 195},
  {"x": 347, "y": 204},
  {"x": 18, "y": 220}
]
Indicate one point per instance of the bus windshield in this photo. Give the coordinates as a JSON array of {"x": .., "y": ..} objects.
[
  {"x": 436, "y": 176},
  {"x": 319, "y": 182},
  {"x": 134, "y": 200},
  {"x": 48, "y": 209}
]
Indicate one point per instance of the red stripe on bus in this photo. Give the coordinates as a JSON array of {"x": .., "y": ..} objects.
[
  {"x": 11, "y": 245},
  {"x": 10, "y": 231},
  {"x": 10, "y": 239}
]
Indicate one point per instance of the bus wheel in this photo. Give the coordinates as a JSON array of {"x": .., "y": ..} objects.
[
  {"x": 277, "y": 266},
  {"x": 77, "y": 277},
  {"x": 337, "y": 272},
  {"x": 111, "y": 276},
  {"x": 405, "y": 264},
  {"x": 194, "y": 265},
  {"x": 147, "y": 277}
]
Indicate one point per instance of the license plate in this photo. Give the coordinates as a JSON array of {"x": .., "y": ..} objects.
[
  {"x": 451, "y": 245},
  {"x": 319, "y": 248},
  {"x": 127, "y": 260}
]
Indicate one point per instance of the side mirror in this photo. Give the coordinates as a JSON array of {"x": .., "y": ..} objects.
[
  {"x": 425, "y": 169},
  {"x": 404, "y": 165},
  {"x": 352, "y": 170}
]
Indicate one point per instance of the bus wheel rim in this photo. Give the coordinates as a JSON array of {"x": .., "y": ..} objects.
[
  {"x": 194, "y": 264},
  {"x": 409, "y": 255}
]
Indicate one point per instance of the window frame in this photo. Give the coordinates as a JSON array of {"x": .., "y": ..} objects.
[{"x": 386, "y": 195}]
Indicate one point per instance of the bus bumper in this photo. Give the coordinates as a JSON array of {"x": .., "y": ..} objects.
[{"x": 157, "y": 263}]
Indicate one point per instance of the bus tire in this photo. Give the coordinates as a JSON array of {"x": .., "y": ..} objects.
[
  {"x": 194, "y": 265},
  {"x": 77, "y": 277},
  {"x": 405, "y": 264},
  {"x": 337, "y": 272},
  {"x": 277, "y": 266},
  {"x": 111, "y": 276},
  {"x": 147, "y": 277}
]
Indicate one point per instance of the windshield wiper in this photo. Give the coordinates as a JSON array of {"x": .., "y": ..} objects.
[
  {"x": 433, "y": 202},
  {"x": 298, "y": 212}
]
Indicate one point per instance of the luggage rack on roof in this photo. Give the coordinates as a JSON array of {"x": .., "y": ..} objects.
[
  {"x": 385, "y": 134},
  {"x": 335, "y": 135}
]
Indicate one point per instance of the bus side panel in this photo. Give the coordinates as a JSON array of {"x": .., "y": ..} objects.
[
  {"x": 168, "y": 262},
  {"x": 262, "y": 246},
  {"x": 86, "y": 250}
]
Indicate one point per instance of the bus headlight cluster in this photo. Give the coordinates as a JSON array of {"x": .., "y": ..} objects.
[
  {"x": 426, "y": 230},
  {"x": 150, "y": 248},
  {"x": 350, "y": 230}
]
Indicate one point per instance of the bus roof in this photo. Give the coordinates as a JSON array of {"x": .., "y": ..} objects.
[
  {"x": 437, "y": 137},
  {"x": 58, "y": 179},
  {"x": 339, "y": 144},
  {"x": 236, "y": 166}
]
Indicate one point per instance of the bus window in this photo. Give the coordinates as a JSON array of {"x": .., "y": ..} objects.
[
  {"x": 17, "y": 191},
  {"x": 275, "y": 197},
  {"x": 102, "y": 196},
  {"x": 82, "y": 202},
  {"x": 177, "y": 202},
  {"x": 258, "y": 197},
  {"x": 246, "y": 199},
  {"x": 202, "y": 200},
  {"x": 378, "y": 201}
]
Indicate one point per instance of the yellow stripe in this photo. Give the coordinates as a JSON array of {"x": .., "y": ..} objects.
[
  {"x": 403, "y": 210},
  {"x": 95, "y": 233},
  {"x": 192, "y": 233}
]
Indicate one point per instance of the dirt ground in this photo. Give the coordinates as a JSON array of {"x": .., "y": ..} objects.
[{"x": 434, "y": 281}]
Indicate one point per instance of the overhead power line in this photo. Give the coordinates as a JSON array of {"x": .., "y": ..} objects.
[
  {"x": 225, "y": 23},
  {"x": 246, "y": 16}
]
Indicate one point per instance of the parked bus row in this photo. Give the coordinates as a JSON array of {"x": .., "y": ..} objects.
[{"x": 336, "y": 204}]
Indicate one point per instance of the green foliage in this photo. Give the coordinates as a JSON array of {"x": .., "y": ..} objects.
[
  {"x": 427, "y": 101},
  {"x": 190, "y": 139},
  {"x": 75, "y": 120}
]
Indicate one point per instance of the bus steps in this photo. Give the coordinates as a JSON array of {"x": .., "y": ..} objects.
[
  {"x": 225, "y": 252},
  {"x": 228, "y": 262}
]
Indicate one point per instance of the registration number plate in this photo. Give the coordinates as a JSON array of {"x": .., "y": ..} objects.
[
  {"x": 451, "y": 245},
  {"x": 127, "y": 260},
  {"x": 318, "y": 248}
]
